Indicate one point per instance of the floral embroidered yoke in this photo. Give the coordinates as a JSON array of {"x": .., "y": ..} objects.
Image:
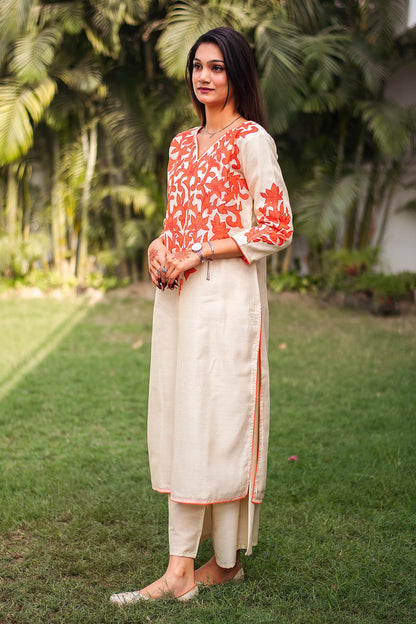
[
  {"x": 234, "y": 189},
  {"x": 208, "y": 420}
]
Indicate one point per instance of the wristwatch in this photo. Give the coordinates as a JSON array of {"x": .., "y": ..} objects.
[{"x": 197, "y": 248}]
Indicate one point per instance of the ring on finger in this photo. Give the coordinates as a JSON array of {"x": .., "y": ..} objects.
[{"x": 163, "y": 269}]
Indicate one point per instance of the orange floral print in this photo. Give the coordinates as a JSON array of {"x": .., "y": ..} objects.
[{"x": 208, "y": 195}]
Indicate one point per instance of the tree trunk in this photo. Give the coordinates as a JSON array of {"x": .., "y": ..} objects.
[
  {"x": 351, "y": 220},
  {"x": 134, "y": 270},
  {"x": 114, "y": 178},
  {"x": 367, "y": 217},
  {"x": 341, "y": 145},
  {"x": 26, "y": 206},
  {"x": 287, "y": 258},
  {"x": 274, "y": 263},
  {"x": 12, "y": 202},
  {"x": 3, "y": 186},
  {"x": 389, "y": 190},
  {"x": 58, "y": 219},
  {"x": 90, "y": 141}
]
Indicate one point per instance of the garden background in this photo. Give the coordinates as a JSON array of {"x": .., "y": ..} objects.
[{"x": 91, "y": 93}]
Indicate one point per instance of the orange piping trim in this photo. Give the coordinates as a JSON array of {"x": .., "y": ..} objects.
[
  {"x": 258, "y": 394},
  {"x": 187, "y": 501}
]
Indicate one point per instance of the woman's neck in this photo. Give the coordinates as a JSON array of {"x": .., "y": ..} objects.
[{"x": 217, "y": 119}]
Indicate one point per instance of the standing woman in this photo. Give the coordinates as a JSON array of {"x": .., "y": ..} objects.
[{"x": 208, "y": 420}]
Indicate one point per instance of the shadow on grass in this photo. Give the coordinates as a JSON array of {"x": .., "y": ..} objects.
[{"x": 40, "y": 351}]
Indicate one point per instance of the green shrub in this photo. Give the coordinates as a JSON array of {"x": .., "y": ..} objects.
[
  {"x": 47, "y": 280},
  {"x": 386, "y": 288},
  {"x": 17, "y": 259},
  {"x": 341, "y": 268},
  {"x": 292, "y": 282}
]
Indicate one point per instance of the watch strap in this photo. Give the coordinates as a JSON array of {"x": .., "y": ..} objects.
[{"x": 201, "y": 255}]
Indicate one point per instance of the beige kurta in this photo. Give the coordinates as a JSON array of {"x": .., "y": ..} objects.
[{"x": 208, "y": 419}]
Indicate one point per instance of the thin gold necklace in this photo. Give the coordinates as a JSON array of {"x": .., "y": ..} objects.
[{"x": 211, "y": 134}]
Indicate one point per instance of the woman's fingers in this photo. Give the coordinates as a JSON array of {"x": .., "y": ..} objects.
[
  {"x": 157, "y": 255},
  {"x": 163, "y": 276},
  {"x": 165, "y": 268},
  {"x": 179, "y": 262},
  {"x": 172, "y": 276},
  {"x": 154, "y": 275}
]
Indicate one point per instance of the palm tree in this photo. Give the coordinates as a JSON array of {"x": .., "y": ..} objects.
[
  {"x": 49, "y": 74},
  {"x": 91, "y": 93},
  {"x": 370, "y": 134}
]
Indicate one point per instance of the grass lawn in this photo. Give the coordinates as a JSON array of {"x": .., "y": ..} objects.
[{"x": 79, "y": 520}]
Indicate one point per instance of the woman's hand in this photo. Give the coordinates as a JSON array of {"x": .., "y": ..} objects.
[
  {"x": 177, "y": 263},
  {"x": 157, "y": 254}
]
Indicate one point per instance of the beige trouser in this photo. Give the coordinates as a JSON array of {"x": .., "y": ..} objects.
[
  {"x": 227, "y": 524},
  {"x": 232, "y": 526}
]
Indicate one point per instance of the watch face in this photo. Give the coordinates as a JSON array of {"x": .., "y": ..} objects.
[{"x": 196, "y": 247}]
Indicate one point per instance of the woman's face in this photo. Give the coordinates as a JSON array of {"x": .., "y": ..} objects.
[{"x": 209, "y": 78}]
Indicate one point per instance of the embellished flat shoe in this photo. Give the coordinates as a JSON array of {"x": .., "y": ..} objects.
[
  {"x": 130, "y": 598},
  {"x": 238, "y": 576}
]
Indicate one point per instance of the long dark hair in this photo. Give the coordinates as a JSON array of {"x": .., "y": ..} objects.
[{"x": 241, "y": 73}]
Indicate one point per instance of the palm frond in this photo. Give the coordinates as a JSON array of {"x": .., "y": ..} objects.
[
  {"x": 20, "y": 107},
  {"x": 277, "y": 46},
  {"x": 84, "y": 77},
  {"x": 324, "y": 57},
  {"x": 71, "y": 167},
  {"x": 321, "y": 103},
  {"x": 14, "y": 15},
  {"x": 308, "y": 15},
  {"x": 381, "y": 20},
  {"x": 280, "y": 62},
  {"x": 186, "y": 21},
  {"x": 64, "y": 107},
  {"x": 104, "y": 25},
  {"x": 323, "y": 201},
  {"x": 130, "y": 136},
  {"x": 69, "y": 15},
  {"x": 138, "y": 10},
  {"x": 33, "y": 54},
  {"x": 363, "y": 56},
  {"x": 136, "y": 235},
  {"x": 389, "y": 126},
  {"x": 139, "y": 198}
]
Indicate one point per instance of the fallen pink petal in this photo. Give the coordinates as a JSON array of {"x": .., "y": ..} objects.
[{"x": 292, "y": 458}]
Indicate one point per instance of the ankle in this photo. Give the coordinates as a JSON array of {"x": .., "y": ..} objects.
[{"x": 181, "y": 566}]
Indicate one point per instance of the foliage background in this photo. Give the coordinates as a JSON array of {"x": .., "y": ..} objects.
[{"x": 91, "y": 93}]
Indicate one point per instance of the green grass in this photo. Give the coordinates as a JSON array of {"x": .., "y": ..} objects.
[{"x": 79, "y": 519}]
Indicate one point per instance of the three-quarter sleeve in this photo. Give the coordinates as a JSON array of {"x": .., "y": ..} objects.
[{"x": 272, "y": 227}]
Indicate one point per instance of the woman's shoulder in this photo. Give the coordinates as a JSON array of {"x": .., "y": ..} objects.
[
  {"x": 251, "y": 129},
  {"x": 250, "y": 132},
  {"x": 185, "y": 135}
]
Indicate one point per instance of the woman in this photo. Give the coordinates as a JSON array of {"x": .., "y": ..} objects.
[{"x": 209, "y": 391}]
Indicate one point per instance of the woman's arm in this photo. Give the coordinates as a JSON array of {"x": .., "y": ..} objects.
[
  {"x": 187, "y": 259},
  {"x": 273, "y": 229}
]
